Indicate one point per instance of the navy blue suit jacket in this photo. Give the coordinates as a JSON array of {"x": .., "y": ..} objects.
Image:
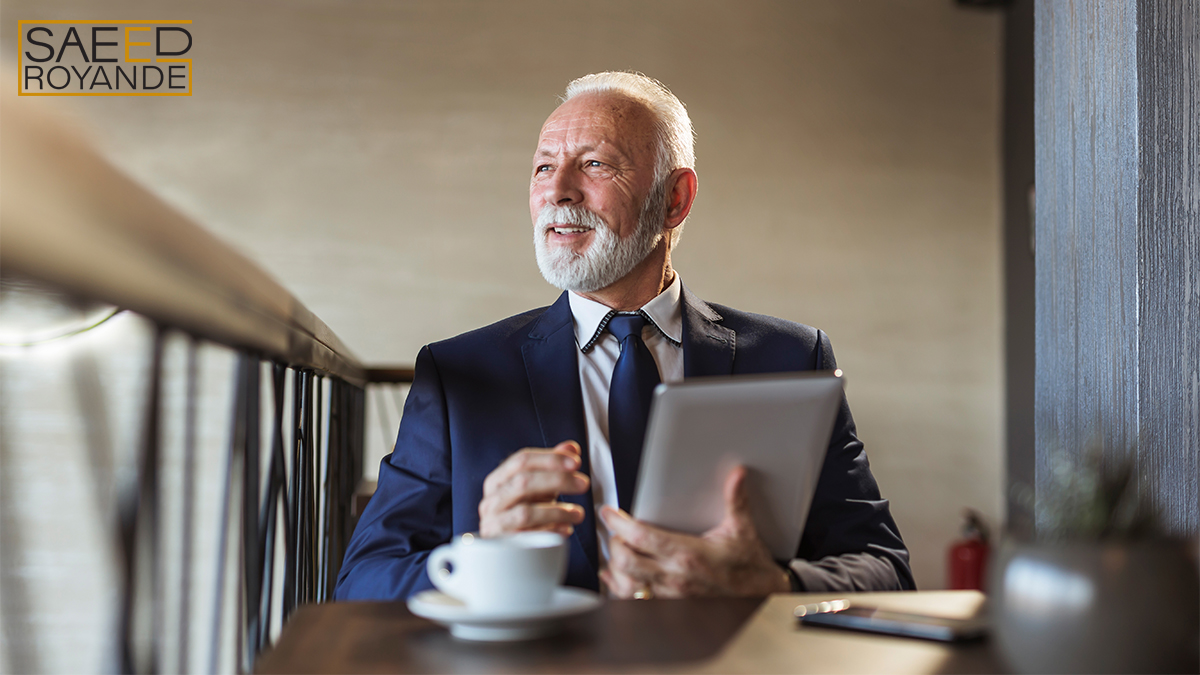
[{"x": 483, "y": 395}]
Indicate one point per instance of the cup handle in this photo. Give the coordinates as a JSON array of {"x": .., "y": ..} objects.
[{"x": 439, "y": 572}]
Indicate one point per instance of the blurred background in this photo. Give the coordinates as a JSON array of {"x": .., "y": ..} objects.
[{"x": 374, "y": 158}]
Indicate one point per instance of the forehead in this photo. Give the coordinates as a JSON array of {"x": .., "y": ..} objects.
[{"x": 600, "y": 119}]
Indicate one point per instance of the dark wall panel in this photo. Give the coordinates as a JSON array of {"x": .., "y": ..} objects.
[
  {"x": 1086, "y": 163},
  {"x": 1169, "y": 264},
  {"x": 1117, "y": 252},
  {"x": 1018, "y": 267}
]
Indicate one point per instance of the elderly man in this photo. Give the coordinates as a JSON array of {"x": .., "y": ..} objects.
[{"x": 536, "y": 422}]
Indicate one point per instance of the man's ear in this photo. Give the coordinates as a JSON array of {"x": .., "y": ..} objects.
[{"x": 681, "y": 193}]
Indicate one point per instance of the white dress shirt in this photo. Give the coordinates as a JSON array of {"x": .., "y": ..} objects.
[{"x": 598, "y": 352}]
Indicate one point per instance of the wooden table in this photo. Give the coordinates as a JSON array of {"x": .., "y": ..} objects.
[
  {"x": 714, "y": 636},
  {"x": 771, "y": 642}
]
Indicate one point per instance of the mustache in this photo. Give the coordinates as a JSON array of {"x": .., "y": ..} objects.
[{"x": 569, "y": 215}]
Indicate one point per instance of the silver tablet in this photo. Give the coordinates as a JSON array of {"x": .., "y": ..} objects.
[{"x": 778, "y": 426}]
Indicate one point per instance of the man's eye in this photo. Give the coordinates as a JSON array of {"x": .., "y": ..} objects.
[
  {"x": 542, "y": 169},
  {"x": 594, "y": 163}
]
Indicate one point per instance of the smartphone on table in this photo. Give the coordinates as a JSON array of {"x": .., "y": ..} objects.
[{"x": 842, "y": 614}]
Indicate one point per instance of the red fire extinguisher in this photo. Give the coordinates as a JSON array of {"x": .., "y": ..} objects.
[{"x": 967, "y": 564}]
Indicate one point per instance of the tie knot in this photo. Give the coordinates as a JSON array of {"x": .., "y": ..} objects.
[{"x": 624, "y": 325}]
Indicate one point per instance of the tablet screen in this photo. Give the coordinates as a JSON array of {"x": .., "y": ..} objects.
[{"x": 777, "y": 425}]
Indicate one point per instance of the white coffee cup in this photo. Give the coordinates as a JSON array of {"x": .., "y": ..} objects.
[{"x": 516, "y": 573}]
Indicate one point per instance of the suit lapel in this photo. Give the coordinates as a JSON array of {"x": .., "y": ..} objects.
[
  {"x": 551, "y": 363},
  {"x": 708, "y": 347}
]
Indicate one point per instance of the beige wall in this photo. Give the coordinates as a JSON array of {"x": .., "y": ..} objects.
[{"x": 374, "y": 157}]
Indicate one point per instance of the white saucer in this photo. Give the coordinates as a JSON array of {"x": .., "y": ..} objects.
[{"x": 466, "y": 624}]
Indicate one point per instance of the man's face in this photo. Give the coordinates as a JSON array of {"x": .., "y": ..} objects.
[{"x": 593, "y": 172}]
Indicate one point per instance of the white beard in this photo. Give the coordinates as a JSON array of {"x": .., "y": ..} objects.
[{"x": 608, "y": 258}]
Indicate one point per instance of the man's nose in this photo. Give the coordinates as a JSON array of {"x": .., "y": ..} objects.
[{"x": 562, "y": 189}]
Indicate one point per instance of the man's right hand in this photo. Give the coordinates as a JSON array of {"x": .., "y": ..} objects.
[{"x": 521, "y": 494}]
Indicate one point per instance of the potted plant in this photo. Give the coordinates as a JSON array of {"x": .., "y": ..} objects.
[{"x": 1102, "y": 589}]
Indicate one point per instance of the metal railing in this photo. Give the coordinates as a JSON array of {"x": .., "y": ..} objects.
[{"x": 74, "y": 225}]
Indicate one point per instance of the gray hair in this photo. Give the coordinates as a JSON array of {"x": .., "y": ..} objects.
[{"x": 675, "y": 139}]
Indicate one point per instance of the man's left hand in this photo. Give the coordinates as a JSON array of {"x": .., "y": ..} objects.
[{"x": 728, "y": 560}]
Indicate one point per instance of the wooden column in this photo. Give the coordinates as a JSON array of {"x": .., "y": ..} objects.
[{"x": 1118, "y": 240}]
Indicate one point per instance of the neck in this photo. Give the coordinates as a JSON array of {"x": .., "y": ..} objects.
[{"x": 641, "y": 285}]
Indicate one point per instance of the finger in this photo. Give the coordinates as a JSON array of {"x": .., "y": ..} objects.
[
  {"x": 626, "y": 586},
  {"x": 569, "y": 449},
  {"x": 493, "y": 529},
  {"x": 607, "y": 583},
  {"x": 627, "y": 561},
  {"x": 564, "y": 530},
  {"x": 532, "y": 459},
  {"x": 537, "y": 486},
  {"x": 621, "y": 585},
  {"x": 556, "y": 516},
  {"x": 525, "y": 517},
  {"x": 641, "y": 537},
  {"x": 539, "y": 459},
  {"x": 669, "y": 575},
  {"x": 530, "y": 515}
]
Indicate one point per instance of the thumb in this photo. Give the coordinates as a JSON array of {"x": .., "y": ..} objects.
[{"x": 737, "y": 502}]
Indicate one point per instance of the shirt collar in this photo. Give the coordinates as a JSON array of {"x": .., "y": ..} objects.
[{"x": 664, "y": 312}]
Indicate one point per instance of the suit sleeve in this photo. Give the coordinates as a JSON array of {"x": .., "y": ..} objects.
[
  {"x": 410, "y": 512},
  {"x": 850, "y": 542}
]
